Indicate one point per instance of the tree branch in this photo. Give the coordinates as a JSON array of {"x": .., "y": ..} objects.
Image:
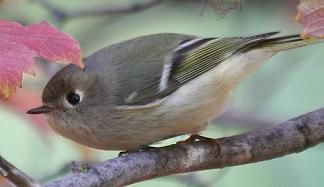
[
  {"x": 97, "y": 10},
  {"x": 221, "y": 7},
  {"x": 289, "y": 137},
  {"x": 14, "y": 175}
]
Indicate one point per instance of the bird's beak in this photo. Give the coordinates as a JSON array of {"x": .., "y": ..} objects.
[{"x": 40, "y": 110}]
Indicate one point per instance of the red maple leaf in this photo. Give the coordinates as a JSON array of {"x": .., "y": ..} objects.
[
  {"x": 15, "y": 58},
  {"x": 19, "y": 45}
]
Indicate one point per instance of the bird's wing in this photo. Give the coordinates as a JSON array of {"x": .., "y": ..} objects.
[{"x": 190, "y": 59}]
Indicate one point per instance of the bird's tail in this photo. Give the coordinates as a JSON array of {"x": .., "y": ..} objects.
[{"x": 285, "y": 42}]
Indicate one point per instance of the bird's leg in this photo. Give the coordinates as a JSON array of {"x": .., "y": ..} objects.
[
  {"x": 125, "y": 153},
  {"x": 148, "y": 148},
  {"x": 142, "y": 148},
  {"x": 198, "y": 138},
  {"x": 78, "y": 167},
  {"x": 195, "y": 138}
]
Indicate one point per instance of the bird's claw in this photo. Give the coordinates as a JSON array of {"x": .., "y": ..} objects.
[
  {"x": 78, "y": 167},
  {"x": 195, "y": 138},
  {"x": 143, "y": 148}
]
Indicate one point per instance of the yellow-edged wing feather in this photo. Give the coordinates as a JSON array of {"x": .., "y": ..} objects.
[{"x": 194, "y": 57}]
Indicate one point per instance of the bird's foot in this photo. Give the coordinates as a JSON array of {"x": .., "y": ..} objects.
[
  {"x": 124, "y": 153},
  {"x": 196, "y": 138},
  {"x": 79, "y": 166},
  {"x": 143, "y": 148}
]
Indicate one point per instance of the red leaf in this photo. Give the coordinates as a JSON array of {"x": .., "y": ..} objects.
[
  {"x": 19, "y": 45},
  {"x": 47, "y": 41},
  {"x": 15, "y": 59},
  {"x": 311, "y": 15}
]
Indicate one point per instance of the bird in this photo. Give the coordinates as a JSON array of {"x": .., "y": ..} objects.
[{"x": 150, "y": 88}]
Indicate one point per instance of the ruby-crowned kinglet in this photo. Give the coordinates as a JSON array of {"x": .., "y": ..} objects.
[{"x": 153, "y": 87}]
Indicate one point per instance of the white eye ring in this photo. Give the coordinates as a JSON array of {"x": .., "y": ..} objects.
[{"x": 72, "y": 99}]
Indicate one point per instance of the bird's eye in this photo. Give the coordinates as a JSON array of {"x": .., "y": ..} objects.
[{"x": 73, "y": 98}]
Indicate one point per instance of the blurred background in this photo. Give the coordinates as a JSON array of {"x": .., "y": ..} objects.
[{"x": 289, "y": 84}]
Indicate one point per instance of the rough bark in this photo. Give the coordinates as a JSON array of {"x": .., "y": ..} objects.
[{"x": 289, "y": 137}]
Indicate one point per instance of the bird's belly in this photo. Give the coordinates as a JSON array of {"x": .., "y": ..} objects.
[{"x": 188, "y": 110}]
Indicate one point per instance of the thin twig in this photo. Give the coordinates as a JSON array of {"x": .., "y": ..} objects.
[
  {"x": 97, "y": 10},
  {"x": 14, "y": 175},
  {"x": 289, "y": 137},
  {"x": 222, "y": 7}
]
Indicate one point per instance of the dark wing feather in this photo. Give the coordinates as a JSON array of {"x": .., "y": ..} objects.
[
  {"x": 199, "y": 61},
  {"x": 191, "y": 59}
]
